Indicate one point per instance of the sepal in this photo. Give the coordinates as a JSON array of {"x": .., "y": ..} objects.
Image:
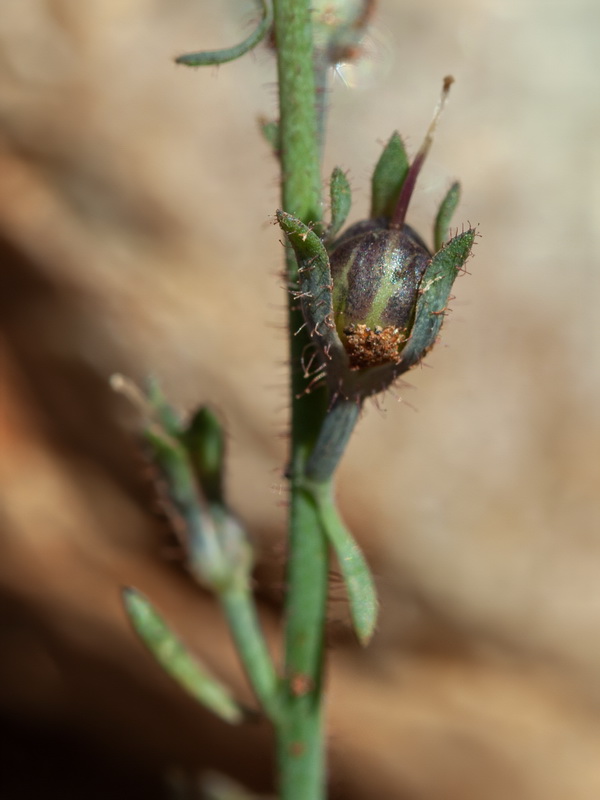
[
  {"x": 314, "y": 286},
  {"x": 388, "y": 178},
  {"x": 341, "y": 200},
  {"x": 445, "y": 214},
  {"x": 433, "y": 296}
]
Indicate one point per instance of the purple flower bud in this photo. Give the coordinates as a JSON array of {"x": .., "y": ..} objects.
[{"x": 376, "y": 272}]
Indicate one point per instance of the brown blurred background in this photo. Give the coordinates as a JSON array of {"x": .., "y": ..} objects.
[{"x": 136, "y": 202}]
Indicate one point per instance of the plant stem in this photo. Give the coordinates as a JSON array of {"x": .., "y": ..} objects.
[
  {"x": 239, "y": 608},
  {"x": 300, "y": 731},
  {"x": 301, "y": 175},
  {"x": 334, "y": 436}
]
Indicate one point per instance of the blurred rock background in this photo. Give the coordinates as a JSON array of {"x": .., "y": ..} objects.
[{"x": 136, "y": 203}]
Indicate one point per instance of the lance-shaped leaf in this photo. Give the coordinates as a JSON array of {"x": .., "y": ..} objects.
[
  {"x": 204, "y": 440},
  {"x": 176, "y": 661},
  {"x": 207, "y": 57},
  {"x": 360, "y": 588},
  {"x": 444, "y": 215},
  {"x": 341, "y": 200},
  {"x": 388, "y": 177},
  {"x": 314, "y": 284},
  {"x": 434, "y": 291}
]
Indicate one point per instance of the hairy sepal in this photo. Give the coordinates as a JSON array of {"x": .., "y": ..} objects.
[
  {"x": 341, "y": 200},
  {"x": 444, "y": 215},
  {"x": 314, "y": 286},
  {"x": 434, "y": 292},
  {"x": 388, "y": 178}
]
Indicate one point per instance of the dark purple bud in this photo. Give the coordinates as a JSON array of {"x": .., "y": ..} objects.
[{"x": 376, "y": 273}]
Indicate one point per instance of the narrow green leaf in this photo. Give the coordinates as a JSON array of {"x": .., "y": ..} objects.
[
  {"x": 360, "y": 587},
  {"x": 208, "y": 57},
  {"x": 434, "y": 291},
  {"x": 444, "y": 215},
  {"x": 388, "y": 177},
  {"x": 341, "y": 200},
  {"x": 176, "y": 661},
  {"x": 204, "y": 440}
]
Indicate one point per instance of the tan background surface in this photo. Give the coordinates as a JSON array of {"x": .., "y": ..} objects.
[{"x": 135, "y": 208}]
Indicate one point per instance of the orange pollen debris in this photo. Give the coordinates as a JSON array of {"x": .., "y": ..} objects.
[{"x": 371, "y": 347}]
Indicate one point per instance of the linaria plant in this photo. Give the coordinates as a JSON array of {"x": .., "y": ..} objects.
[{"x": 368, "y": 305}]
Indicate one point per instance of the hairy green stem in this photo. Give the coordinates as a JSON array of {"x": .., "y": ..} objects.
[
  {"x": 239, "y": 608},
  {"x": 300, "y": 733},
  {"x": 360, "y": 587},
  {"x": 301, "y": 175}
]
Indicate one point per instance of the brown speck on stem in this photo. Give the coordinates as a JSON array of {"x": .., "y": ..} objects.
[
  {"x": 296, "y": 749},
  {"x": 301, "y": 685}
]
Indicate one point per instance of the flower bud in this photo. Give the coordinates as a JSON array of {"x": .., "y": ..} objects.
[
  {"x": 374, "y": 298},
  {"x": 376, "y": 272}
]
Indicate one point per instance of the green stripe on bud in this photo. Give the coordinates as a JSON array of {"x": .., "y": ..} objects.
[{"x": 376, "y": 276}]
